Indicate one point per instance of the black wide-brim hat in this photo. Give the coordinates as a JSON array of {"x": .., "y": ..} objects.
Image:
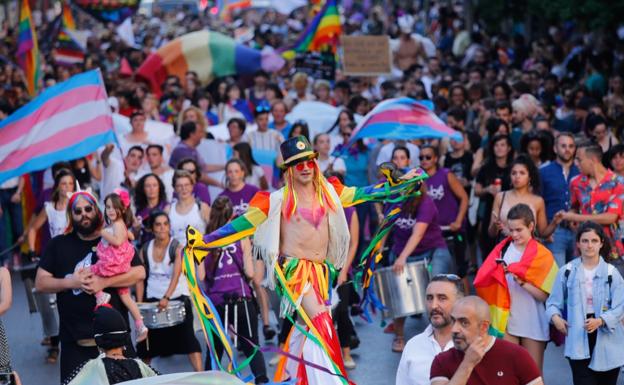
[{"x": 295, "y": 150}]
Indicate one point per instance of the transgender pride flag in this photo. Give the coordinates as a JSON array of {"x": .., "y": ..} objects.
[{"x": 67, "y": 121}]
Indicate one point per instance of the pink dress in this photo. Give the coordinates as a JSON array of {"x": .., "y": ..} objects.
[{"x": 113, "y": 260}]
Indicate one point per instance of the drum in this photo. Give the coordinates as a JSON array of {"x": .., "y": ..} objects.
[
  {"x": 402, "y": 294},
  {"x": 155, "y": 318}
]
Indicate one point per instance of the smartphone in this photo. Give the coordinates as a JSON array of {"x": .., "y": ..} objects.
[{"x": 501, "y": 261}]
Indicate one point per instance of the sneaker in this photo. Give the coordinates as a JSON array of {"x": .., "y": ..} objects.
[
  {"x": 349, "y": 363},
  {"x": 398, "y": 345},
  {"x": 389, "y": 329},
  {"x": 275, "y": 360},
  {"x": 268, "y": 332},
  {"x": 103, "y": 298},
  {"x": 141, "y": 333}
]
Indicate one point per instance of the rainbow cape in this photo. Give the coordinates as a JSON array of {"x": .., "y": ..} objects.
[
  {"x": 28, "y": 50},
  {"x": 537, "y": 267},
  {"x": 322, "y": 34}
]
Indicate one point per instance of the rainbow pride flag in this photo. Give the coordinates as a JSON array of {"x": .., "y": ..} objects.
[
  {"x": 225, "y": 7},
  {"x": 321, "y": 34},
  {"x": 208, "y": 53},
  {"x": 537, "y": 267},
  {"x": 28, "y": 50},
  {"x": 68, "y": 49}
]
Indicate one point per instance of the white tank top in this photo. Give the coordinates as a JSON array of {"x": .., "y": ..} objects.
[
  {"x": 160, "y": 274},
  {"x": 179, "y": 222},
  {"x": 57, "y": 219}
]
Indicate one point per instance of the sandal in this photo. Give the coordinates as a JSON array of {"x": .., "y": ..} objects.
[
  {"x": 398, "y": 344},
  {"x": 52, "y": 356}
]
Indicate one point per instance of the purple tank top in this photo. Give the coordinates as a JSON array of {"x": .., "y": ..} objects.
[
  {"x": 349, "y": 214},
  {"x": 439, "y": 190},
  {"x": 228, "y": 279}
]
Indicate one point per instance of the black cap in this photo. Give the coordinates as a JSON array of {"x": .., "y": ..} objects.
[
  {"x": 295, "y": 150},
  {"x": 109, "y": 328}
]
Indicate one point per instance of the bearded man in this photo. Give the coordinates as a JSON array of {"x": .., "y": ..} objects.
[
  {"x": 301, "y": 233},
  {"x": 63, "y": 269}
]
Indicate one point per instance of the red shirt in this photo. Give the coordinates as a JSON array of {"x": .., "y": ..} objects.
[
  {"x": 605, "y": 198},
  {"x": 504, "y": 363}
]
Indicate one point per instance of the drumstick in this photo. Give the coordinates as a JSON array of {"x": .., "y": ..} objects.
[{"x": 235, "y": 323}]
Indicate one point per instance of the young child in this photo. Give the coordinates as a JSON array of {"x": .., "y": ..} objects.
[{"x": 115, "y": 253}]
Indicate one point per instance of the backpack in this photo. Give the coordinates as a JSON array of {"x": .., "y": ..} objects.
[
  {"x": 566, "y": 274},
  {"x": 173, "y": 248}
]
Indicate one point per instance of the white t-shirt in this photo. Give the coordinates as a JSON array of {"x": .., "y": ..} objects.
[
  {"x": 257, "y": 172},
  {"x": 587, "y": 287},
  {"x": 112, "y": 176},
  {"x": 527, "y": 316},
  {"x": 338, "y": 164},
  {"x": 267, "y": 140},
  {"x": 385, "y": 154}
]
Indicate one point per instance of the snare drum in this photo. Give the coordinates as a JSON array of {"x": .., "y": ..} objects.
[
  {"x": 154, "y": 318},
  {"x": 402, "y": 294}
]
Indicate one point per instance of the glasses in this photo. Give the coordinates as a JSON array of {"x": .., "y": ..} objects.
[
  {"x": 301, "y": 165},
  {"x": 87, "y": 209},
  {"x": 425, "y": 157},
  {"x": 263, "y": 108}
]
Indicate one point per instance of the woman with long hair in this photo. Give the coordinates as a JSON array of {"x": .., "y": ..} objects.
[
  {"x": 525, "y": 183},
  {"x": 195, "y": 115},
  {"x": 518, "y": 269},
  {"x": 226, "y": 273},
  {"x": 587, "y": 306},
  {"x": 236, "y": 128},
  {"x": 235, "y": 105},
  {"x": 162, "y": 258},
  {"x": 255, "y": 174},
  {"x": 149, "y": 195},
  {"x": 343, "y": 122},
  {"x": 417, "y": 236},
  {"x": 492, "y": 178},
  {"x": 54, "y": 213}
]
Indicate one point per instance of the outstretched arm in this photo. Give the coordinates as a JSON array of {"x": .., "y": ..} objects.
[
  {"x": 350, "y": 196},
  {"x": 239, "y": 228}
]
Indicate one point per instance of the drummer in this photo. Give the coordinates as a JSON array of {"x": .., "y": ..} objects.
[
  {"x": 163, "y": 264},
  {"x": 417, "y": 236}
]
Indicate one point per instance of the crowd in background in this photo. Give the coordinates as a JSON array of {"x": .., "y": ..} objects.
[{"x": 542, "y": 122}]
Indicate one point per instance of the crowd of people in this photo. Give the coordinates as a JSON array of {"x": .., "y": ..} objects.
[{"x": 540, "y": 164}]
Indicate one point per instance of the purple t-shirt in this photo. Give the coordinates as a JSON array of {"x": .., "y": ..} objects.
[
  {"x": 425, "y": 213},
  {"x": 440, "y": 191},
  {"x": 227, "y": 277},
  {"x": 200, "y": 191},
  {"x": 240, "y": 199},
  {"x": 183, "y": 151}
]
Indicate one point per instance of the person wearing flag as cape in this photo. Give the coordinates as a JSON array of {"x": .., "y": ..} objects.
[{"x": 301, "y": 233}]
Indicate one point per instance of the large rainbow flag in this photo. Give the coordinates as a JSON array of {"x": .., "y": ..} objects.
[
  {"x": 210, "y": 54},
  {"x": 322, "y": 34},
  {"x": 28, "y": 50},
  {"x": 537, "y": 267},
  {"x": 68, "y": 49},
  {"x": 225, "y": 7},
  {"x": 67, "y": 121}
]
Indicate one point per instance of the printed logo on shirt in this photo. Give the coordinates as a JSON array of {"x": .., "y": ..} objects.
[
  {"x": 241, "y": 208},
  {"x": 83, "y": 264},
  {"x": 500, "y": 373},
  {"x": 405, "y": 223},
  {"x": 436, "y": 193},
  {"x": 226, "y": 256}
]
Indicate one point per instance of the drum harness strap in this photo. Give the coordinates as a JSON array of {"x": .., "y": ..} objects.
[{"x": 230, "y": 300}]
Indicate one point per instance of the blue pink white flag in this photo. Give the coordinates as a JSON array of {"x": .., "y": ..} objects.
[{"x": 67, "y": 121}]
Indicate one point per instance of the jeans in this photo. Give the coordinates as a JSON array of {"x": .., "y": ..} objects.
[
  {"x": 438, "y": 261},
  {"x": 562, "y": 246},
  {"x": 14, "y": 220}
]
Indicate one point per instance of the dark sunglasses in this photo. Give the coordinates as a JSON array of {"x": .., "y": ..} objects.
[
  {"x": 345, "y": 133},
  {"x": 446, "y": 277},
  {"x": 301, "y": 165},
  {"x": 87, "y": 209},
  {"x": 425, "y": 157}
]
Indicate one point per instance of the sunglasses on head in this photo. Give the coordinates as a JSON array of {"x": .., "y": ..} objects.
[
  {"x": 263, "y": 108},
  {"x": 425, "y": 157},
  {"x": 301, "y": 165},
  {"x": 446, "y": 277},
  {"x": 87, "y": 209}
]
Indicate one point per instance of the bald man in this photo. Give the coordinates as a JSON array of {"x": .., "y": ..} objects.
[{"x": 478, "y": 358}]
